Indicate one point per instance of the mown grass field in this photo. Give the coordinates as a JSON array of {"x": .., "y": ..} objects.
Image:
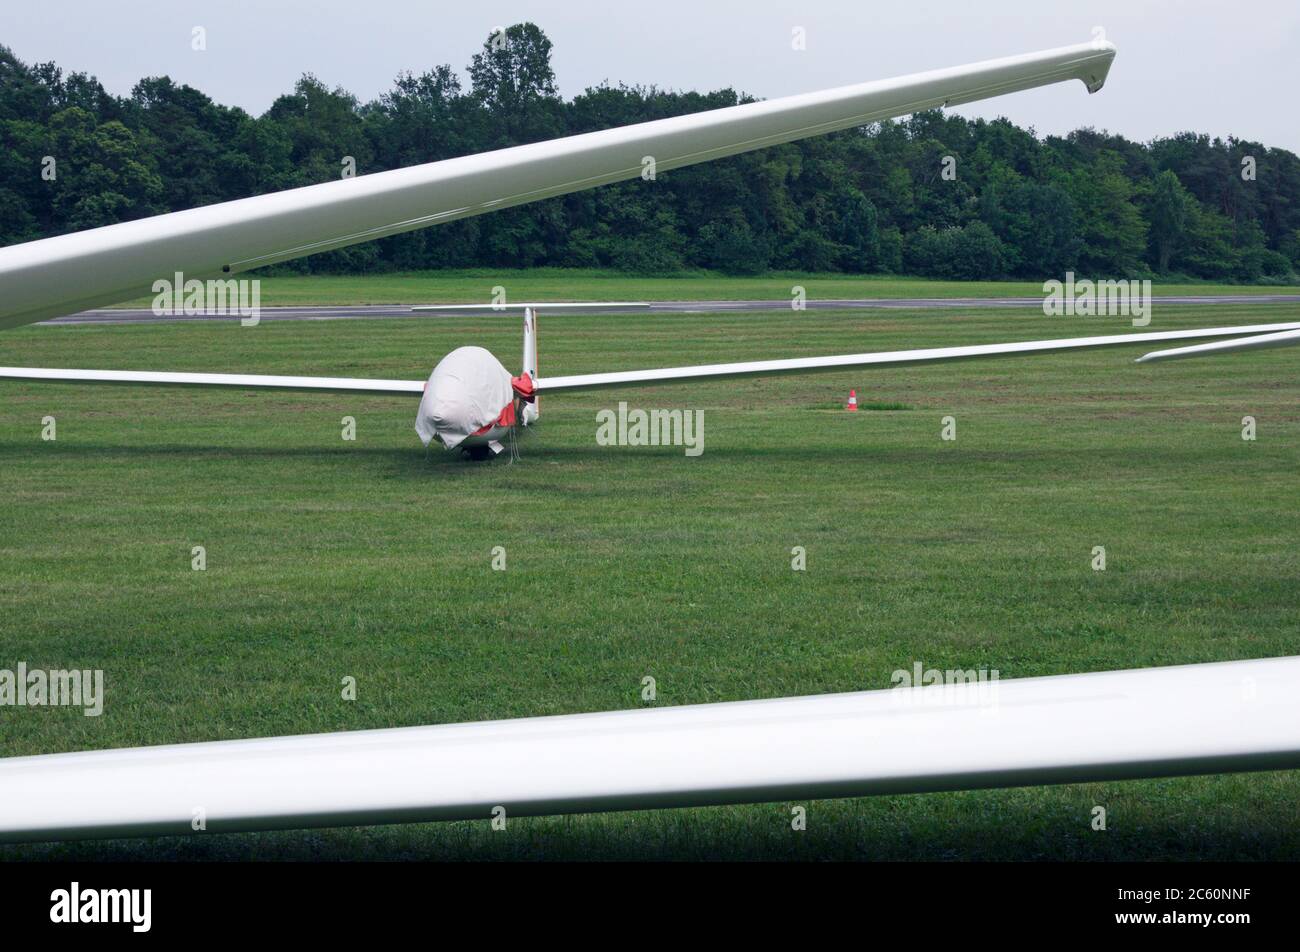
[
  {"x": 372, "y": 558},
  {"x": 474, "y": 286}
]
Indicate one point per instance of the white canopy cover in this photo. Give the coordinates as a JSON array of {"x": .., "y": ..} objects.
[{"x": 466, "y": 391}]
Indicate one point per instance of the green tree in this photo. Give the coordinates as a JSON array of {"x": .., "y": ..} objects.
[
  {"x": 731, "y": 246},
  {"x": 191, "y": 140},
  {"x": 1167, "y": 210},
  {"x": 102, "y": 177},
  {"x": 323, "y": 127},
  {"x": 855, "y": 229},
  {"x": 1208, "y": 250},
  {"x": 961, "y": 253},
  {"x": 1036, "y": 222},
  {"x": 513, "y": 79},
  {"x": 1112, "y": 229}
]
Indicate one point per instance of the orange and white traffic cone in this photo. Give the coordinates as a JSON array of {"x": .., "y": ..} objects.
[{"x": 853, "y": 401}]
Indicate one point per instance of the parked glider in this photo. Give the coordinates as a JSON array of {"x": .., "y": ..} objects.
[{"x": 470, "y": 401}]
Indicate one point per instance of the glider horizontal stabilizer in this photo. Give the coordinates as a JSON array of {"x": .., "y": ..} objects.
[{"x": 602, "y": 306}]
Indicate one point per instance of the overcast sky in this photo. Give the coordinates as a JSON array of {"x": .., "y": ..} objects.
[{"x": 1226, "y": 68}]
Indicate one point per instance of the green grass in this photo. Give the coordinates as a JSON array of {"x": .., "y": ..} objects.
[
  {"x": 474, "y": 286},
  {"x": 371, "y": 559}
]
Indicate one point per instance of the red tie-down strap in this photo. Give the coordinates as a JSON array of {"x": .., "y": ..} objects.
[
  {"x": 506, "y": 418},
  {"x": 523, "y": 387}
]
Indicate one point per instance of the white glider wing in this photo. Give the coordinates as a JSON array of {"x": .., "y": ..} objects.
[
  {"x": 664, "y": 375},
  {"x": 62, "y": 275},
  {"x": 1285, "y": 338},
  {"x": 230, "y": 381},
  {"x": 892, "y": 358},
  {"x": 1156, "y": 722}
]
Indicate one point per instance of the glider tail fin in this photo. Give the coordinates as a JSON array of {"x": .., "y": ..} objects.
[{"x": 529, "y": 366}]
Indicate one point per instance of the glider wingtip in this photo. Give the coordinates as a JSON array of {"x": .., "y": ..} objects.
[{"x": 1095, "y": 78}]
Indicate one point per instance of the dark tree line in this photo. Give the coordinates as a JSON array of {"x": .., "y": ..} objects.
[{"x": 933, "y": 194}]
